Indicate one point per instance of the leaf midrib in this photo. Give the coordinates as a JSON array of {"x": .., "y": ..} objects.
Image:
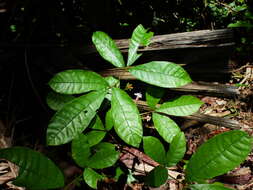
[
  {"x": 71, "y": 120},
  {"x": 166, "y": 74},
  {"x": 219, "y": 153},
  {"x": 117, "y": 58},
  {"x": 129, "y": 126}
]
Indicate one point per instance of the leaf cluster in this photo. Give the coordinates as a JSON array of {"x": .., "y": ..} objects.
[{"x": 78, "y": 98}]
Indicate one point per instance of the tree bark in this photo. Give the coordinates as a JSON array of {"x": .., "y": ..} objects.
[
  {"x": 204, "y": 88},
  {"x": 195, "y": 39}
]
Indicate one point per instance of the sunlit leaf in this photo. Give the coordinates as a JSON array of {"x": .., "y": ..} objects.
[
  {"x": 126, "y": 118},
  {"x": 161, "y": 74},
  {"x": 182, "y": 106},
  {"x": 140, "y": 36},
  {"x": 155, "y": 149},
  {"x": 107, "y": 48},
  {"x": 77, "y": 81},
  {"x": 91, "y": 177},
  {"x": 165, "y": 126},
  {"x": 108, "y": 120},
  {"x": 177, "y": 149},
  {"x": 35, "y": 170},
  {"x": 73, "y": 118},
  {"x": 219, "y": 155},
  {"x": 241, "y": 24},
  {"x": 113, "y": 82},
  {"x": 153, "y": 95}
]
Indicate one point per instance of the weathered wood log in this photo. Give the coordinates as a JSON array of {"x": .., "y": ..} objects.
[
  {"x": 204, "y": 53},
  {"x": 195, "y": 39},
  {"x": 203, "y": 88},
  {"x": 203, "y": 118}
]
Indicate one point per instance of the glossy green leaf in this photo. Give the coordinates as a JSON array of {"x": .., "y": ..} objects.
[
  {"x": 91, "y": 177},
  {"x": 182, "y": 106},
  {"x": 161, "y": 74},
  {"x": 113, "y": 82},
  {"x": 73, "y": 118},
  {"x": 177, "y": 149},
  {"x": 108, "y": 120},
  {"x": 77, "y": 81},
  {"x": 35, "y": 170},
  {"x": 140, "y": 36},
  {"x": 100, "y": 156},
  {"x": 98, "y": 132},
  {"x": 104, "y": 156},
  {"x": 157, "y": 176},
  {"x": 165, "y": 126},
  {"x": 56, "y": 101},
  {"x": 154, "y": 149},
  {"x": 107, "y": 48},
  {"x": 81, "y": 150},
  {"x": 153, "y": 95},
  {"x": 219, "y": 155},
  {"x": 126, "y": 118},
  {"x": 208, "y": 187}
]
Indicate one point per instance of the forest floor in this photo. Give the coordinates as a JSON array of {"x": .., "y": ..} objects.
[{"x": 238, "y": 109}]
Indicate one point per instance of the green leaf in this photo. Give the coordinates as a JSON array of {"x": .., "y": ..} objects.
[
  {"x": 118, "y": 173},
  {"x": 157, "y": 176},
  {"x": 242, "y": 24},
  {"x": 219, "y": 155},
  {"x": 249, "y": 15},
  {"x": 108, "y": 120},
  {"x": 165, "y": 126},
  {"x": 77, "y": 81},
  {"x": 177, "y": 149},
  {"x": 139, "y": 36},
  {"x": 208, "y": 187},
  {"x": 91, "y": 177},
  {"x": 100, "y": 156},
  {"x": 107, "y": 48},
  {"x": 73, "y": 118},
  {"x": 155, "y": 149},
  {"x": 240, "y": 8},
  {"x": 182, "y": 106},
  {"x": 81, "y": 150},
  {"x": 161, "y": 74},
  {"x": 153, "y": 95},
  {"x": 105, "y": 156},
  {"x": 56, "y": 101},
  {"x": 97, "y": 134},
  {"x": 113, "y": 82},
  {"x": 35, "y": 170},
  {"x": 126, "y": 118}
]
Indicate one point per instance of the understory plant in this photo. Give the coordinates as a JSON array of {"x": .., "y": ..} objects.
[{"x": 99, "y": 118}]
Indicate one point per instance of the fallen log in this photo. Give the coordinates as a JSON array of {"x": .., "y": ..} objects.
[
  {"x": 204, "y": 53},
  {"x": 203, "y": 118},
  {"x": 203, "y": 88},
  {"x": 195, "y": 39}
]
